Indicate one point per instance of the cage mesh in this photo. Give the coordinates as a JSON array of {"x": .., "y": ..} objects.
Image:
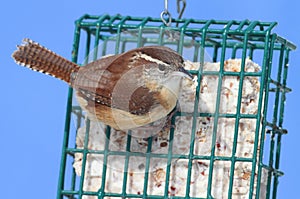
[{"x": 198, "y": 41}]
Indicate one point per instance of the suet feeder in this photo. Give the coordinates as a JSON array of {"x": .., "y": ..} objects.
[{"x": 230, "y": 149}]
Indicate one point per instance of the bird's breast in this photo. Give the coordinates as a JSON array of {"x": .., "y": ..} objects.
[{"x": 144, "y": 105}]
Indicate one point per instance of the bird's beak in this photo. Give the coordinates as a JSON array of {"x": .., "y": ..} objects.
[{"x": 187, "y": 74}]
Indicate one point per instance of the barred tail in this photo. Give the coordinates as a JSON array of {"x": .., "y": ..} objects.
[{"x": 38, "y": 58}]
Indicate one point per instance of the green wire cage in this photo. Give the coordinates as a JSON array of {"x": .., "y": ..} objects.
[{"x": 196, "y": 40}]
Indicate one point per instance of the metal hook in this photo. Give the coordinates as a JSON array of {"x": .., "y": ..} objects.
[
  {"x": 180, "y": 11},
  {"x": 166, "y": 15}
]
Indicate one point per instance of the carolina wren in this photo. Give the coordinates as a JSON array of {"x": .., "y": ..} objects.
[{"x": 124, "y": 91}]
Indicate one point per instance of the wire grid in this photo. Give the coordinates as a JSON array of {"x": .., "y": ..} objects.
[{"x": 192, "y": 38}]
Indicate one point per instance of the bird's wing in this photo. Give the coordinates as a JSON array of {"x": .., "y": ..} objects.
[{"x": 116, "y": 81}]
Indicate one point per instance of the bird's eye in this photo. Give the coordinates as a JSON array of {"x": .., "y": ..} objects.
[{"x": 161, "y": 67}]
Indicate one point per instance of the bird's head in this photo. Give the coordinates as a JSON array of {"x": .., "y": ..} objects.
[{"x": 162, "y": 66}]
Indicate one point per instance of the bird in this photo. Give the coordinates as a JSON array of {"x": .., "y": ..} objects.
[{"x": 125, "y": 91}]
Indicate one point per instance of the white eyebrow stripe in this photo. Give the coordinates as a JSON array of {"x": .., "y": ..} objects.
[{"x": 149, "y": 58}]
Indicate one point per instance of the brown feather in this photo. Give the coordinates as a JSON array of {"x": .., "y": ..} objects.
[
  {"x": 39, "y": 58},
  {"x": 102, "y": 82}
]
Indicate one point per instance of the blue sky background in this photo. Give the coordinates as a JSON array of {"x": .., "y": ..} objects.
[{"x": 33, "y": 105}]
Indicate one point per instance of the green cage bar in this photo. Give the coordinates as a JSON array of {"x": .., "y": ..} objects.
[{"x": 97, "y": 36}]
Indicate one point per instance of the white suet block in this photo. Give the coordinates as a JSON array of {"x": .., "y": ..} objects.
[{"x": 181, "y": 142}]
